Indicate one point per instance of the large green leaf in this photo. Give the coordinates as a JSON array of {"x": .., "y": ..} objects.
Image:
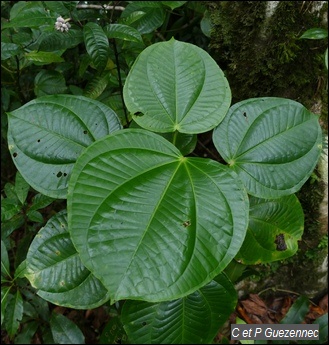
[
  {"x": 149, "y": 15},
  {"x": 46, "y": 135},
  {"x": 97, "y": 44},
  {"x": 272, "y": 143},
  {"x": 54, "y": 268},
  {"x": 275, "y": 227},
  {"x": 150, "y": 223},
  {"x": 297, "y": 311},
  {"x": 194, "y": 319},
  {"x": 183, "y": 89}
]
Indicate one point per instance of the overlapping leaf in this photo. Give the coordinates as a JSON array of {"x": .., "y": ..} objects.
[
  {"x": 275, "y": 227},
  {"x": 272, "y": 143},
  {"x": 143, "y": 220},
  {"x": 46, "y": 136},
  {"x": 194, "y": 319},
  {"x": 54, "y": 268},
  {"x": 183, "y": 89}
]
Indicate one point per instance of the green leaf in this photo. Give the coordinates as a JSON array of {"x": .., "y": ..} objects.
[
  {"x": 186, "y": 143},
  {"x": 194, "y": 319},
  {"x": 4, "y": 299},
  {"x": 133, "y": 193},
  {"x": 124, "y": 32},
  {"x": 51, "y": 41},
  {"x": 64, "y": 331},
  {"x": 297, "y": 311},
  {"x": 49, "y": 83},
  {"x": 12, "y": 224},
  {"x": 40, "y": 201},
  {"x": 9, "y": 208},
  {"x": 206, "y": 24},
  {"x": 53, "y": 266},
  {"x": 113, "y": 332},
  {"x": 97, "y": 44},
  {"x": 275, "y": 227},
  {"x": 44, "y": 57},
  {"x": 97, "y": 85},
  {"x": 153, "y": 17},
  {"x": 21, "y": 188},
  {"x": 315, "y": 34},
  {"x": 14, "y": 314},
  {"x": 30, "y": 18},
  {"x": 27, "y": 332},
  {"x": 8, "y": 50},
  {"x": 49, "y": 133},
  {"x": 173, "y": 4},
  {"x": 5, "y": 269},
  {"x": 183, "y": 89},
  {"x": 35, "y": 216},
  {"x": 272, "y": 143}
]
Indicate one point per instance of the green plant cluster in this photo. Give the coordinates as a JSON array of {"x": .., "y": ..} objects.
[{"x": 104, "y": 107}]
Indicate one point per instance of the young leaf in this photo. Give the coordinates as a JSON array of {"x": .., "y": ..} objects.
[
  {"x": 270, "y": 221},
  {"x": 49, "y": 133},
  {"x": 14, "y": 314},
  {"x": 21, "y": 188},
  {"x": 97, "y": 44},
  {"x": 190, "y": 94},
  {"x": 272, "y": 143},
  {"x": 194, "y": 319},
  {"x": 133, "y": 193},
  {"x": 64, "y": 331},
  {"x": 54, "y": 268}
]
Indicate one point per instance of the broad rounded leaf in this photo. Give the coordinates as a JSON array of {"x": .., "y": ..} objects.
[
  {"x": 275, "y": 227},
  {"x": 194, "y": 319},
  {"x": 183, "y": 89},
  {"x": 272, "y": 143},
  {"x": 46, "y": 136},
  {"x": 54, "y": 268},
  {"x": 97, "y": 44},
  {"x": 150, "y": 223}
]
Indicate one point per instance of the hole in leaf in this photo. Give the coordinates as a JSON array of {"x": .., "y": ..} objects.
[
  {"x": 39, "y": 140},
  {"x": 85, "y": 132},
  {"x": 59, "y": 174},
  {"x": 144, "y": 323},
  {"x": 15, "y": 154}
]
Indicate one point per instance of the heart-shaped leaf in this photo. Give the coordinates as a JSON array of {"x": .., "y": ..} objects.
[
  {"x": 194, "y": 319},
  {"x": 54, "y": 268},
  {"x": 275, "y": 227},
  {"x": 272, "y": 143},
  {"x": 46, "y": 135},
  {"x": 183, "y": 89},
  {"x": 150, "y": 223}
]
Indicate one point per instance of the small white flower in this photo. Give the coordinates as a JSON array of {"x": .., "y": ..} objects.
[{"x": 62, "y": 24}]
